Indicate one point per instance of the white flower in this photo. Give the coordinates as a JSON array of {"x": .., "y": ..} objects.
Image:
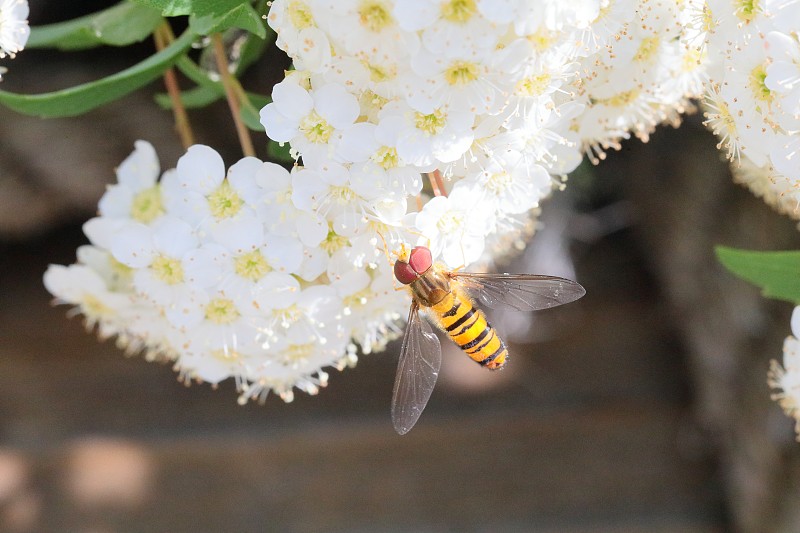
[
  {"x": 456, "y": 225},
  {"x": 136, "y": 195},
  {"x": 785, "y": 379},
  {"x": 14, "y": 30},
  {"x": 81, "y": 286},
  {"x": 310, "y": 121}
]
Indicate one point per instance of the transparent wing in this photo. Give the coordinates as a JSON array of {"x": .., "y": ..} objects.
[
  {"x": 523, "y": 292},
  {"x": 420, "y": 359}
]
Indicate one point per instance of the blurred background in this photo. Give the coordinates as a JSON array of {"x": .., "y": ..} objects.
[{"x": 642, "y": 407}]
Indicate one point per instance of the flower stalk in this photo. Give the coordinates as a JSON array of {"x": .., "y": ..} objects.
[
  {"x": 163, "y": 37},
  {"x": 232, "y": 94}
]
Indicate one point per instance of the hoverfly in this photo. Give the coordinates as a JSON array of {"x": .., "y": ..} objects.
[{"x": 444, "y": 295}]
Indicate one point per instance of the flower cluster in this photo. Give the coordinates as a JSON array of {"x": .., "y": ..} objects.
[
  {"x": 439, "y": 122},
  {"x": 753, "y": 94},
  {"x": 786, "y": 379},
  {"x": 222, "y": 274},
  {"x": 14, "y": 30},
  {"x": 495, "y": 98}
]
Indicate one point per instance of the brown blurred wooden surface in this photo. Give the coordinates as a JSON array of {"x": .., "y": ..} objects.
[{"x": 589, "y": 431}]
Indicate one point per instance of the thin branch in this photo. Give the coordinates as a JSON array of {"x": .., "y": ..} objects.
[
  {"x": 163, "y": 36},
  {"x": 230, "y": 83}
]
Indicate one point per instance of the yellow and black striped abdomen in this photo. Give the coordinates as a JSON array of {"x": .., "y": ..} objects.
[{"x": 469, "y": 329}]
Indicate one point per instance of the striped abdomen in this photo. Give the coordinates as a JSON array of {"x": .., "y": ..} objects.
[{"x": 469, "y": 329}]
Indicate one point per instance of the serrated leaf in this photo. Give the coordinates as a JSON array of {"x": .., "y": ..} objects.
[
  {"x": 82, "y": 98},
  {"x": 777, "y": 273},
  {"x": 120, "y": 25},
  {"x": 241, "y": 16}
]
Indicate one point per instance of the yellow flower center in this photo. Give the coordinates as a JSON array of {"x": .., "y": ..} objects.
[
  {"x": 224, "y": 202},
  {"x": 221, "y": 311},
  {"x": 450, "y": 222},
  {"x": 386, "y": 157},
  {"x": 758, "y": 86},
  {"x": 498, "y": 182},
  {"x": 147, "y": 205},
  {"x": 300, "y": 14},
  {"x": 647, "y": 49},
  {"x": 374, "y": 15},
  {"x": 226, "y": 356},
  {"x": 458, "y": 11},
  {"x": 298, "y": 353},
  {"x": 315, "y": 128},
  {"x": 93, "y": 308},
  {"x": 461, "y": 73},
  {"x": 379, "y": 73},
  {"x": 622, "y": 99},
  {"x": 167, "y": 269},
  {"x": 432, "y": 123},
  {"x": 533, "y": 85},
  {"x": 541, "y": 40},
  {"x": 334, "y": 242},
  {"x": 746, "y": 10},
  {"x": 252, "y": 265}
]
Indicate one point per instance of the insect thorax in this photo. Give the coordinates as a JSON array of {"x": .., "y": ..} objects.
[{"x": 431, "y": 287}]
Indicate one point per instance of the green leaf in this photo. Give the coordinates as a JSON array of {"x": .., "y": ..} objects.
[
  {"x": 169, "y": 8},
  {"x": 278, "y": 153},
  {"x": 240, "y": 16},
  {"x": 82, "y": 98},
  {"x": 777, "y": 273},
  {"x": 192, "y": 99},
  {"x": 212, "y": 16},
  {"x": 250, "y": 111},
  {"x": 120, "y": 25}
]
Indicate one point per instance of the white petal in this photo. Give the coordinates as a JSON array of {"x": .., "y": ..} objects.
[
  {"x": 201, "y": 168},
  {"x": 291, "y": 100},
  {"x": 140, "y": 169},
  {"x": 336, "y": 105},
  {"x": 133, "y": 246}
]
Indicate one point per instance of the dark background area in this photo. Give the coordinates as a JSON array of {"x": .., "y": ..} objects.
[{"x": 642, "y": 407}]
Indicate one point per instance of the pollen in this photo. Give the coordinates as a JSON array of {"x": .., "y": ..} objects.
[
  {"x": 315, "y": 128},
  {"x": 450, "y": 222},
  {"x": 94, "y": 309},
  {"x": 296, "y": 354},
  {"x": 647, "y": 49},
  {"x": 225, "y": 355},
  {"x": 461, "y": 73},
  {"x": 622, "y": 99},
  {"x": 758, "y": 86},
  {"x": 167, "y": 269},
  {"x": 746, "y": 10},
  {"x": 252, "y": 265},
  {"x": 534, "y": 85},
  {"x": 432, "y": 123},
  {"x": 300, "y": 14},
  {"x": 386, "y": 157},
  {"x": 380, "y": 73},
  {"x": 374, "y": 15},
  {"x": 221, "y": 311},
  {"x": 224, "y": 202},
  {"x": 334, "y": 242},
  {"x": 147, "y": 205},
  {"x": 459, "y": 11},
  {"x": 498, "y": 182},
  {"x": 541, "y": 40}
]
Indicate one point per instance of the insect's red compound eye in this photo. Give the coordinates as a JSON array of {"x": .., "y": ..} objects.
[
  {"x": 420, "y": 259},
  {"x": 404, "y": 273}
]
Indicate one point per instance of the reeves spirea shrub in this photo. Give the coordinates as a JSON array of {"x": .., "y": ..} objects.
[{"x": 444, "y": 123}]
